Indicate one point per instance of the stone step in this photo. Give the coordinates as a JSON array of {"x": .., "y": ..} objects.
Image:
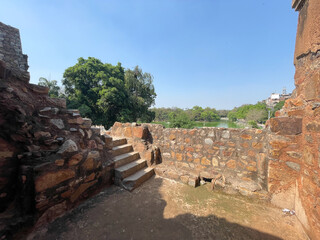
[
  {"x": 125, "y": 159},
  {"x": 116, "y": 151},
  {"x": 130, "y": 168},
  {"x": 119, "y": 141},
  {"x": 135, "y": 180}
]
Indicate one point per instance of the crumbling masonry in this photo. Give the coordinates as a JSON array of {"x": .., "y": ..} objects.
[{"x": 51, "y": 158}]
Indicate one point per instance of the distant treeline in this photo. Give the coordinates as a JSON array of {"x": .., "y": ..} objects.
[
  {"x": 177, "y": 117},
  {"x": 194, "y": 114},
  {"x": 254, "y": 113}
]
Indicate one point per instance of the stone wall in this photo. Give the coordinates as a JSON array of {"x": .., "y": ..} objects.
[
  {"x": 236, "y": 158},
  {"x": 50, "y": 157},
  {"x": 297, "y": 185},
  {"x": 11, "y": 55}
]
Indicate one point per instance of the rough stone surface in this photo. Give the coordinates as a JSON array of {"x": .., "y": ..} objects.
[
  {"x": 52, "y": 179},
  {"x": 58, "y": 123},
  {"x": 69, "y": 146},
  {"x": 194, "y": 151}
]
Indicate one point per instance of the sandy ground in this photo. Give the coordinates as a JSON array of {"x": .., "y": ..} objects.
[{"x": 164, "y": 209}]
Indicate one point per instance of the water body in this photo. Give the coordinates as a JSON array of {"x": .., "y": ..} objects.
[{"x": 220, "y": 124}]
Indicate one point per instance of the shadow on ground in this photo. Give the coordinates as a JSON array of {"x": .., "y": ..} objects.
[{"x": 117, "y": 214}]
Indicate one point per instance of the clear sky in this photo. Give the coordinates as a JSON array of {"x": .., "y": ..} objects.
[{"x": 214, "y": 53}]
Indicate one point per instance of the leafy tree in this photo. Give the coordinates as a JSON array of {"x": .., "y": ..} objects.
[
  {"x": 257, "y": 115},
  {"x": 258, "y": 108},
  {"x": 232, "y": 116},
  {"x": 196, "y": 113},
  {"x": 209, "y": 115},
  {"x": 223, "y": 113},
  {"x": 54, "y": 89},
  {"x": 253, "y": 124},
  {"x": 141, "y": 94},
  {"x": 180, "y": 120},
  {"x": 103, "y": 93}
]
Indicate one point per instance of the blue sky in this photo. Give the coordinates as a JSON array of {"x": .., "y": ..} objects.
[{"x": 214, "y": 53}]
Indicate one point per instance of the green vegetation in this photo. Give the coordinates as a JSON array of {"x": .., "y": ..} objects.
[
  {"x": 257, "y": 113},
  {"x": 194, "y": 114},
  {"x": 185, "y": 118},
  {"x": 180, "y": 120},
  {"x": 54, "y": 89},
  {"x": 253, "y": 124},
  {"x": 106, "y": 93},
  {"x": 221, "y": 123},
  {"x": 277, "y": 107}
]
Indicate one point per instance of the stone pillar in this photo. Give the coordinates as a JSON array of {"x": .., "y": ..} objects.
[
  {"x": 307, "y": 52},
  {"x": 301, "y": 151},
  {"x": 12, "y": 60}
]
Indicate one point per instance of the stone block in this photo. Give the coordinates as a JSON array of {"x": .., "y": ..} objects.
[
  {"x": 58, "y": 123},
  {"x": 68, "y": 147},
  {"x": 127, "y": 132},
  {"x": 140, "y": 132},
  {"x": 193, "y": 181},
  {"x": 78, "y": 121},
  {"x": 51, "y": 179},
  {"x": 86, "y": 123},
  {"x": 231, "y": 164},
  {"x": 82, "y": 188},
  {"x": 41, "y": 134},
  {"x": 205, "y": 161},
  {"x": 215, "y": 162},
  {"x": 107, "y": 140},
  {"x": 89, "y": 163},
  {"x": 294, "y": 166},
  {"x": 313, "y": 127},
  {"x": 179, "y": 156},
  {"x": 286, "y": 125},
  {"x": 75, "y": 159},
  {"x": 246, "y": 136},
  {"x": 208, "y": 141},
  {"x": 225, "y": 134}
]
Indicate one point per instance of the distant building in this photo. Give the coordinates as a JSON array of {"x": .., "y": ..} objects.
[{"x": 276, "y": 98}]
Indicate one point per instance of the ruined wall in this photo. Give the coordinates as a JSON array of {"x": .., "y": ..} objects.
[
  {"x": 11, "y": 53},
  {"x": 50, "y": 157},
  {"x": 300, "y": 185},
  {"x": 237, "y": 155}
]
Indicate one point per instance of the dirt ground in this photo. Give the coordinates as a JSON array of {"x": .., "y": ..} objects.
[{"x": 164, "y": 209}]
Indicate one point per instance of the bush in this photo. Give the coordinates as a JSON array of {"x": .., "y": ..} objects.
[
  {"x": 180, "y": 120},
  {"x": 253, "y": 124}
]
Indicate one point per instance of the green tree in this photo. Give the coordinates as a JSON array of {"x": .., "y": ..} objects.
[
  {"x": 102, "y": 92},
  {"x": 232, "y": 116},
  {"x": 180, "y": 120},
  {"x": 257, "y": 115},
  {"x": 196, "y": 113},
  {"x": 253, "y": 124},
  {"x": 54, "y": 89},
  {"x": 141, "y": 94}
]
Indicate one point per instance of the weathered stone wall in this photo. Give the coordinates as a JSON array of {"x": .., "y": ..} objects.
[
  {"x": 11, "y": 53},
  {"x": 297, "y": 185},
  {"x": 50, "y": 157},
  {"x": 237, "y": 156}
]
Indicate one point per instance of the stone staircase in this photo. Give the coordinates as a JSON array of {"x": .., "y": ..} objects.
[{"x": 130, "y": 170}]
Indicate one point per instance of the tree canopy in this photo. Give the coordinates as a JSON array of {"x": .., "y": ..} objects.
[
  {"x": 196, "y": 113},
  {"x": 107, "y": 93},
  {"x": 251, "y": 112},
  {"x": 54, "y": 89}
]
